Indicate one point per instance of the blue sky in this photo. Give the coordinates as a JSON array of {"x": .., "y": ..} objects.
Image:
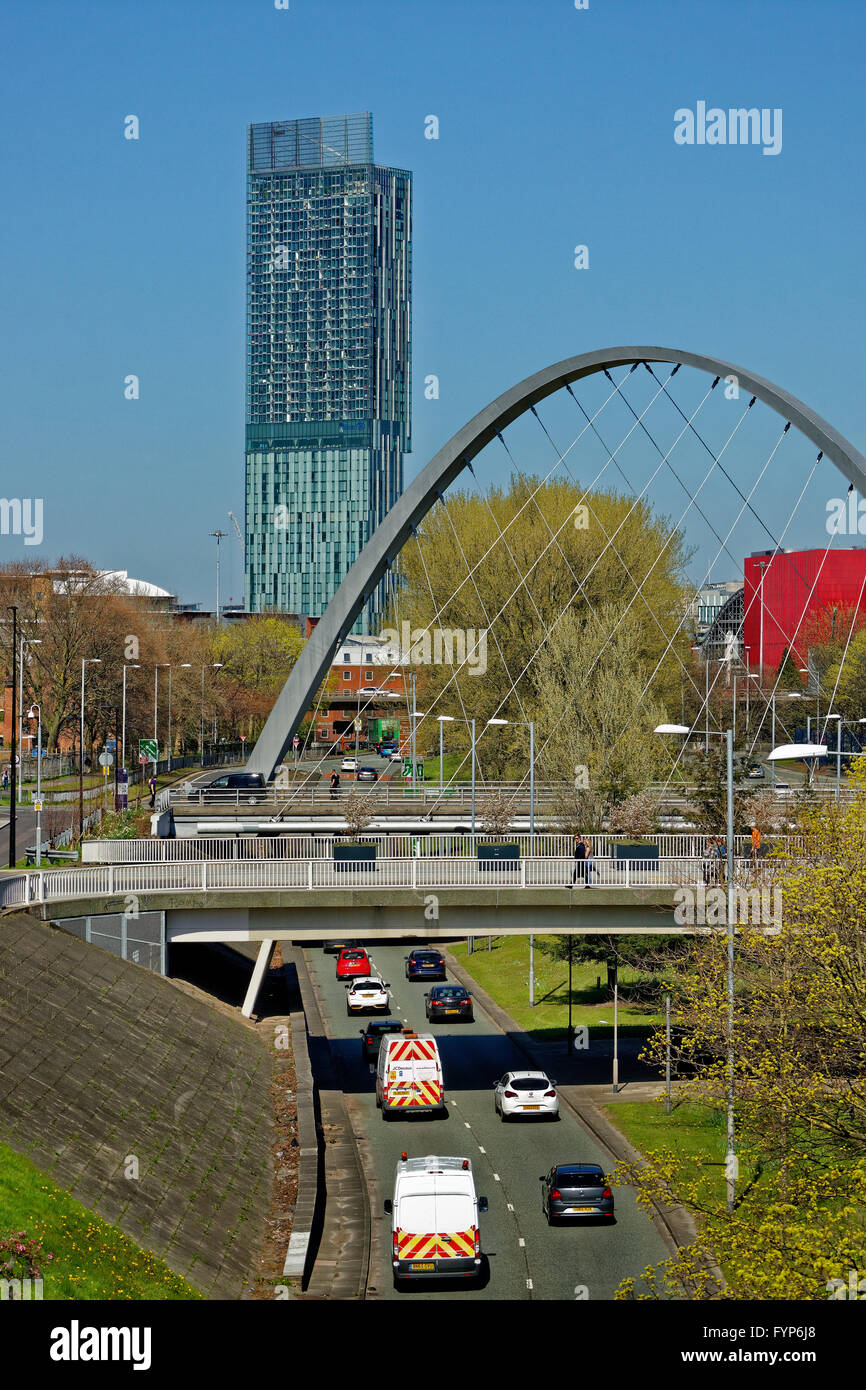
[{"x": 556, "y": 129}]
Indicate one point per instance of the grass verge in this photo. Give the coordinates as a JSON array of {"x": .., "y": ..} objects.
[{"x": 92, "y": 1260}]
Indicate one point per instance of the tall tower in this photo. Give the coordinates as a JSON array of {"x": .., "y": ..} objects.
[{"x": 328, "y": 357}]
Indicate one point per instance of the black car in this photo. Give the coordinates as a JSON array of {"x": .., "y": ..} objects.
[
  {"x": 425, "y": 965},
  {"x": 574, "y": 1190},
  {"x": 233, "y": 787},
  {"x": 332, "y": 946},
  {"x": 372, "y": 1035},
  {"x": 446, "y": 1002}
]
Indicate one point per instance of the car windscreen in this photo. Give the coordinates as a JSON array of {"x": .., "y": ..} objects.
[{"x": 529, "y": 1083}]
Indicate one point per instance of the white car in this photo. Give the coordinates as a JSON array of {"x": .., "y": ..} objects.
[
  {"x": 367, "y": 992},
  {"x": 529, "y": 1093},
  {"x": 396, "y": 757},
  {"x": 349, "y": 765}
]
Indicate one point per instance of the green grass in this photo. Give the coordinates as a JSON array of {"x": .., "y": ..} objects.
[
  {"x": 92, "y": 1260},
  {"x": 504, "y": 973},
  {"x": 695, "y": 1133}
]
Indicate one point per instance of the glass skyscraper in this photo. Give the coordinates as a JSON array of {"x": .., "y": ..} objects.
[{"x": 328, "y": 356}]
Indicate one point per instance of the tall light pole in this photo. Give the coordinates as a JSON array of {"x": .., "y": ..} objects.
[
  {"x": 762, "y": 565},
  {"x": 30, "y": 642},
  {"x": 38, "y": 781},
  {"x": 442, "y": 720},
  {"x": 473, "y": 784},
  {"x": 156, "y": 707},
  {"x": 531, "y": 725},
  {"x": 730, "y": 1157},
  {"x": 85, "y": 661},
  {"x": 215, "y": 666},
  {"x": 130, "y": 667},
  {"x": 838, "y": 719},
  {"x": 13, "y": 780},
  {"x": 218, "y": 534}
]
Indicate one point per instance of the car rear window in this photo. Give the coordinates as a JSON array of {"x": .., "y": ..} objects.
[
  {"x": 354, "y": 955},
  {"x": 454, "y": 992},
  {"x": 530, "y": 1083},
  {"x": 427, "y": 958},
  {"x": 580, "y": 1177}
]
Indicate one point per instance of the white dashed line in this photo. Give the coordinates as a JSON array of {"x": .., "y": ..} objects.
[
  {"x": 496, "y": 1177},
  {"x": 481, "y": 1150},
  {"x": 509, "y": 1206},
  {"x": 467, "y": 1124},
  {"x": 521, "y": 1241},
  {"x": 529, "y": 1283}
]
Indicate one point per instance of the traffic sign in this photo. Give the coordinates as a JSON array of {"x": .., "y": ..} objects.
[
  {"x": 37, "y": 805},
  {"x": 296, "y": 742},
  {"x": 106, "y": 760},
  {"x": 148, "y": 750}
]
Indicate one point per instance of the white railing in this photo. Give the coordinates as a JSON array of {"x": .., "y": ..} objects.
[
  {"x": 415, "y": 874},
  {"x": 151, "y": 850}
]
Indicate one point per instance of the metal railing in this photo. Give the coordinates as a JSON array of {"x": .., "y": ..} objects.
[
  {"x": 412, "y": 874},
  {"x": 403, "y": 845}
]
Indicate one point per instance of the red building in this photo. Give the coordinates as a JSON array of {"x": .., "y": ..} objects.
[{"x": 784, "y": 589}]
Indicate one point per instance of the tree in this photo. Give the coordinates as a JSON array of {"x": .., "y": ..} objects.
[{"x": 799, "y": 1053}]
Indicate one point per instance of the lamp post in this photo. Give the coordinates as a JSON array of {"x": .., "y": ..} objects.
[
  {"x": 31, "y": 642},
  {"x": 838, "y": 719},
  {"x": 85, "y": 661},
  {"x": 30, "y": 715},
  {"x": 126, "y": 668},
  {"x": 442, "y": 720},
  {"x": 531, "y": 725},
  {"x": 730, "y": 1157},
  {"x": 472, "y": 721},
  {"x": 156, "y": 707},
  {"x": 215, "y": 666},
  {"x": 13, "y": 780}
]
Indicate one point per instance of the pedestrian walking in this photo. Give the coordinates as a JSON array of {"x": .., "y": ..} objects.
[
  {"x": 588, "y": 866},
  {"x": 335, "y": 784},
  {"x": 152, "y": 785},
  {"x": 580, "y": 859},
  {"x": 5, "y": 779},
  {"x": 710, "y": 862},
  {"x": 756, "y": 845}
]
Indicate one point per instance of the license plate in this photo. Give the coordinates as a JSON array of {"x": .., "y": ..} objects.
[
  {"x": 422, "y": 1266},
  {"x": 580, "y": 1209},
  {"x": 452, "y": 1011}
]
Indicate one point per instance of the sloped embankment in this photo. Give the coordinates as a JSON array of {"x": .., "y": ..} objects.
[{"x": 150, "y": 1107}]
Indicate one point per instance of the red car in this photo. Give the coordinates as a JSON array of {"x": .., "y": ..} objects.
[{"x": 353, "y": 962}]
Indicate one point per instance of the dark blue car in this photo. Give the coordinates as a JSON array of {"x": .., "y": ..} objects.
[{"x": 425, "y": 965}]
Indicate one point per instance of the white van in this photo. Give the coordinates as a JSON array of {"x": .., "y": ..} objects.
[
  {"x": 434, "y": 1219},
  {"x": 409, "y": 1075}
]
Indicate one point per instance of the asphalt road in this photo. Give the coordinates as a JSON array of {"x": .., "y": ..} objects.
[{"x": 527, "y": 1259}]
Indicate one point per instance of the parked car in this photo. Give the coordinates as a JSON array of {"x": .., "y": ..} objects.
[
  {"x": 367, "y": 992},
  {"x": 351, "y": 962},
  {"x": 575, "y": 1190},
  {"x": 445, "y": 1002},
  {"x": 434, "y": 1219},
  {"x": 375, "y": 1031},
  {"x": 367, "y": 774},
  {"x": 349, "y": 765},
  {"x": 425, "y": 965},
  {"x": 250, "y": 787},
  {"x": 525, "y": 1093}
]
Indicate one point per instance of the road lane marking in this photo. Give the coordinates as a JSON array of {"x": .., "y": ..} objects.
[
  {"x": 496, "y": 1177},
  {"x": 467, "y": 1124},
  {"x": 521, "y": 1241},
  {"x": 529, "y": 1283},
  {"x": 480, "y": 1150},
  {"x": 509, "y": 1206}
]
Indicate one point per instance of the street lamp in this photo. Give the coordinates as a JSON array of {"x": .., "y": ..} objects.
[
  {"x": 31, "y": 642},
  {"x": 182, "y": 663},
  {"x": 85, "y": 661},
  {"x": 730, "y": 1157},
  {"x": 531, "y": 839},
  {"x": 156, "y": 707},
  {"x": 215, "y": 666},
  {"x": 442, "y": 719},
  {"x": 30, "y": 715},
  {"x": 130, "y": 667}
]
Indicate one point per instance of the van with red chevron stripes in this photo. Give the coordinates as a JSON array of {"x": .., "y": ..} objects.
[
  {"x": 409, "y": 1076},
  {"x": 434, "y": 1220}
]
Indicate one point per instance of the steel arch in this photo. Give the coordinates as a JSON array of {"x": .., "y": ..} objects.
[{"x": 389, "y": 537}]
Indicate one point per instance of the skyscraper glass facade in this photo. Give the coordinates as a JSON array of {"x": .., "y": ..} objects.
[{"x": 328, "y": 356}]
